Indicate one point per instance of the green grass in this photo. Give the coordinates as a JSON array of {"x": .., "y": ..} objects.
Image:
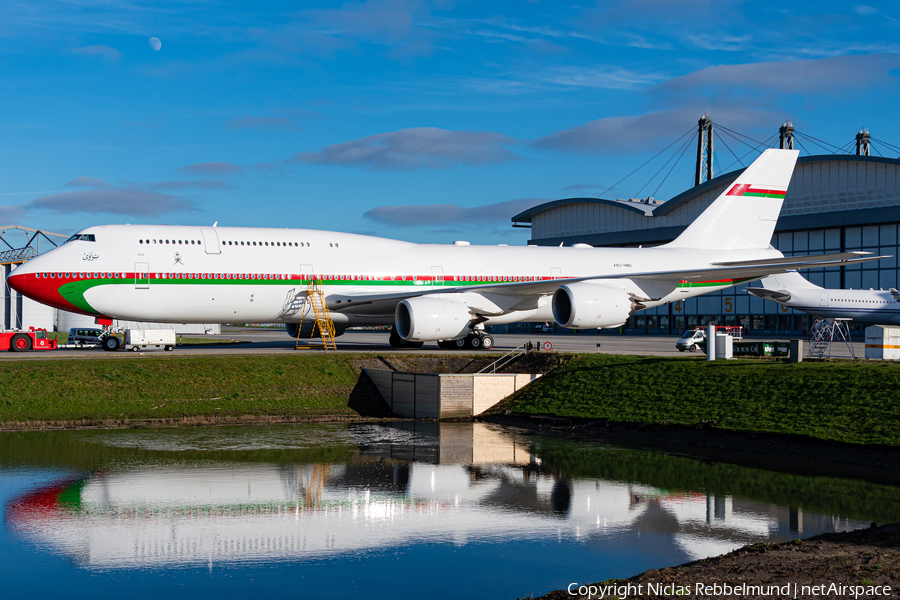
[
  {"x": 854, "y": 402},
  {"x": 166, "y": 387}
]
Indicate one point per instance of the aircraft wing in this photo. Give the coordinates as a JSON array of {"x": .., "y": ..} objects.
[
  {"x": 769, "y": 294},
  {"x": 743, "y": 270}
]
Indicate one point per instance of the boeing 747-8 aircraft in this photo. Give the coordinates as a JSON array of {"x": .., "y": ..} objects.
[
  {"x": 428, "y": 292},
  {"x": 872, "y": 307}
]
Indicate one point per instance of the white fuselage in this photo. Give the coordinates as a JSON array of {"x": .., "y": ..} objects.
[
  {"x": 863, "y": 306},
  {"x": 229, "y": 274}
]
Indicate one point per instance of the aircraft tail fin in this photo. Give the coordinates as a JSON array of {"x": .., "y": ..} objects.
[{"x": 744, "y": 215}]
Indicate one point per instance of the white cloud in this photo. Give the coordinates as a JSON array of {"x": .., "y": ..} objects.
[
  {"x": 105, "y": 52},
  {"x": 88, "y": 182},
  {"x": 826, "y": 75},
  {"x": 111, "y": 201},
  {"x": 416, "y": 148},
  {"x": 613, "y": 135},
  {"x": 210, "y": 168},
  {"x": 194, "y": 184},
  {"x": 429, "y": 215}
]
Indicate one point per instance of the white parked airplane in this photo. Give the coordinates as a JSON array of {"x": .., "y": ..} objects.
[
  {"x": 428, "y": 292},
  {"x": 874, "y": 307}
]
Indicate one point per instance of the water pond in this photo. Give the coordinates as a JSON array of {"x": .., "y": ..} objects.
[{"x": 437, "y": 510}]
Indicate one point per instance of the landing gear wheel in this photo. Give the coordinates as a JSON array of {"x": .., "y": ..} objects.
[
  {"x": 459, "y": 343},
  {"x": 445, "y": 345},
  {"x": 487, "y": 342},
  {"x": 473, "y": 342},
  {"x": 20, "y": 343},
  {"x": 414, "y": 344},
  {"x": 111, "y": 343},
  {"x": 396, "y": 341}
]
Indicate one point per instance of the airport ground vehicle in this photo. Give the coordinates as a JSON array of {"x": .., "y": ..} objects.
[
  {"x": 695, "y": 338},
  {"x": 25, "y": 341},
  {"x": 140, "y": 339},
  {"x": 85, "y": 336},
  {"x": 690, "y": 339}
]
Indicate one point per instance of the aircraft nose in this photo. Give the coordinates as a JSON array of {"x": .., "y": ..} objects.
[
  {"x": 38, "y": 286},
  {"x": 16, "y": 281},
  {"x": 25, "y": 283}
]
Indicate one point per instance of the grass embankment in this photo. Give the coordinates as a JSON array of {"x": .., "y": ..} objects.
[
  {"x": 852, "y": 402},
  {"x": 175, "y": 387}
]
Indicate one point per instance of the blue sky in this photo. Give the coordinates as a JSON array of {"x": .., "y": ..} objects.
[{"x": 423, "y": 121}]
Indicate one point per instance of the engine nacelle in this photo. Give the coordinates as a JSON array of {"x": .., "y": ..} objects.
[
  {"x": 305, "y": 329},
  {"x": 427, "y": 318},
  {"x": 589, "y": 305}
]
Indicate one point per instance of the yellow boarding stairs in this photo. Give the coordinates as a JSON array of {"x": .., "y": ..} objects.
[{"x": 324, "y": 326}]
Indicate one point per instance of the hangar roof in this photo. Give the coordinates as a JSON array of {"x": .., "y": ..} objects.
[{"x": 823, "y": 187}]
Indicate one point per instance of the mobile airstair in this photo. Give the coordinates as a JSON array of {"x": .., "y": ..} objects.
[
  {"x": 824, "y": 334},
  {"x": 323, "y": 328}
]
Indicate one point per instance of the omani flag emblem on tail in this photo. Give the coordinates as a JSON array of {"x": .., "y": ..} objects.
[
  {"x": 745, "y": 189},
  {"x": 744, "y": 215}
]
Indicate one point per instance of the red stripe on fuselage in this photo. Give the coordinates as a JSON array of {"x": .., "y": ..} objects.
[{"x": 43, "y": 290}]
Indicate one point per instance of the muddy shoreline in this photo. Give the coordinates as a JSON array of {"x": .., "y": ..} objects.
[
  {"x": 197, "y": 421},
  {"x": 776, "y": 452},
  {"x": 865, "y": 558}
]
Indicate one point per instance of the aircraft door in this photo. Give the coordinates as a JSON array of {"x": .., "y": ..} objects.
[
  {"x": 823, "y": 299},
  {"x": 211, "y": 241},
  {"x": 141, "y": 276},
  {"x": 437, "y": 274},
  {"x": 306, "y": 271}
]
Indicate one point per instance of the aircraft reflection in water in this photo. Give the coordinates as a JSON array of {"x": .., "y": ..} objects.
[{"x": 474, "y": 484}]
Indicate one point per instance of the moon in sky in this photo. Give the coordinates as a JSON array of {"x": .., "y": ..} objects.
[{"x": 155, "y": 43}]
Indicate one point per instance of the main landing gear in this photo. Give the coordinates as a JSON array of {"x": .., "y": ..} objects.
[
  {"x": 473, "y": 341},
  {"x": 398, "y": 342}
]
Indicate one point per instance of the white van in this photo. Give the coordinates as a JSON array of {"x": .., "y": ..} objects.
[
  {"x": 85, "y": 336},
  {"x": 690, "y": 339}
]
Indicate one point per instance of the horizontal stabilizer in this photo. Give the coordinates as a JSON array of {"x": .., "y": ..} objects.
[{"x": 777, "y": 296}]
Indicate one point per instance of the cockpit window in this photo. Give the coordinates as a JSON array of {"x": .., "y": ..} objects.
[{"x": 84, "y": 237}]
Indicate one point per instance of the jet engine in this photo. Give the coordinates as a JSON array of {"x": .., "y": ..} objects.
[
  {"x": 305, "y": 330},
  {"x": 427, "y": 318},
  {"x": 589, "y": 305}
]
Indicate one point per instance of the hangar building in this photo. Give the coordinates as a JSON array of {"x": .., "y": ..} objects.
[{"x": 834, "y": 203}]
